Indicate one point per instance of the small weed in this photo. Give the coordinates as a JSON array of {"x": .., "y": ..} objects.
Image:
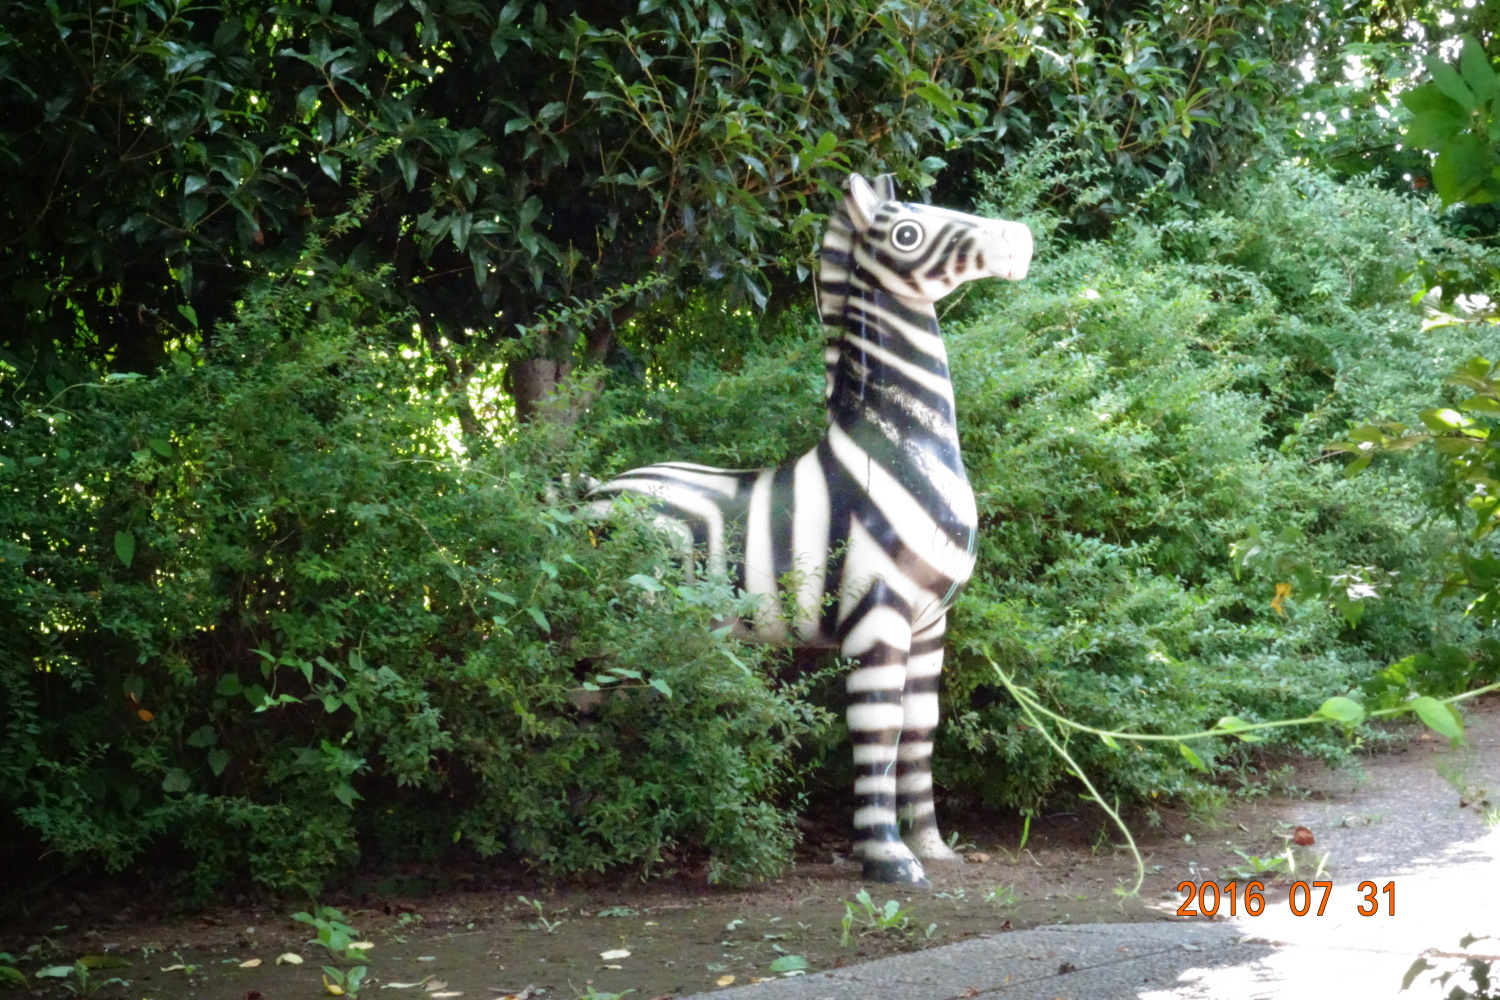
[
  {"x": 80, "y": 980},
  {"x": 541, "y": 923},
  {"x": 870, "y": 919},
  {"x": 618, "y": 911},
  {"x": 593, "y": 994},
  {"x": 334, "y": 934},
  {"x": 344, "y": 983},
  {"x": 1276, "y": 866},
  {"x": 1001, "y": 895},
  {"x": 955, "y": 844},
  {"x": 342, "y": 942}
]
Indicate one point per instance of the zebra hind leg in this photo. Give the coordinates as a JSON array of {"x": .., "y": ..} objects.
[
  {"x": 878, "y": 637},
  {"x": 920, "y": 711}
]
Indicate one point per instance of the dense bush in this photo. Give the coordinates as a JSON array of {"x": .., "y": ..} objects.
[
  {"x": 257, "y": 617},
  {"x": 265, "y": 615},
  {"x": 1145, "y": 421}
]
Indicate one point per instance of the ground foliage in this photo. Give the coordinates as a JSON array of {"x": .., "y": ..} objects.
[
  {"x": 297, "y": 589},
  {"x": 1166, "y": 537},
  {"x": 258, "y": 620},
  {"x": 267, "y": 617}
]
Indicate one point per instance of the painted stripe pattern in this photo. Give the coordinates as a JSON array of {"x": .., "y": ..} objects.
[{"x": 868, "y": 536}]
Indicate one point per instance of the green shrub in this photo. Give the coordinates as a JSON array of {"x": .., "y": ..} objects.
[
  {"x": 259, "y": 618},
  {"x": 1144, "y": 423}
]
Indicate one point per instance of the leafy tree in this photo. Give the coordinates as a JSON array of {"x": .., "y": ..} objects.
[
  {"x": 1456, "y": 115},
  {"x": 529, "y": 170}
]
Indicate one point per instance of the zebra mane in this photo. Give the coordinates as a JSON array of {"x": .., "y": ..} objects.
[{"x": 835, "y": 258}]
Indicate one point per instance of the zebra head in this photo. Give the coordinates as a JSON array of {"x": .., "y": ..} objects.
[{"x": 923, "y": 253}]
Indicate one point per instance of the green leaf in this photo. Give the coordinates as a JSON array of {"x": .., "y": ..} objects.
[
  {"x": 648, "y": 583},
  {"x": 125, "y": 547},
  {"x": 176, "y": 782},
  {"x": 1192, "y": 757},
  {"x": 161, "y": 447},
  {"x": 1451, "y": 84},
  {"x": 11, "y": 977},
  {"x": 1480, "y": 404},
  {"x": 789, "y": 963},
  {"x": 1461, "y": 167},
  {"x": 218, "y": 759},
  {"x": 385, "y": 8},
  {"x": 1343, "y": 710},
  {"x": 539, "y": 618},
  {"x": 229, "y": 685},
  {"x": 662, "y": 686},
  {"x": 1474, "y": 66},
  {"x": 1443, "y": 419},
  {"x": 346, "y": 794},
  {"x": 103, "y": 962},
  {"x": 203, "y": 737},
  {"x": 1416, "y": 968},
  {"x": 1439, "y": 717},
  {"x": 1234, "y": 726},
  {"x": 54, "y": 972}
]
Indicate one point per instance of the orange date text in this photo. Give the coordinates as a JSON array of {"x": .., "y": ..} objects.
[{"x": 1209, "y": 899}]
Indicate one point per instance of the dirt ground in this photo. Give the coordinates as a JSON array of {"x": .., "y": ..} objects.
[{"x": 492, "y": 934}]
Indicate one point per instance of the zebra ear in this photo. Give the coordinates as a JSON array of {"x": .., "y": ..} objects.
[
  {"x": 861, "y": 202},
  {"x": 885, "y": 187}
]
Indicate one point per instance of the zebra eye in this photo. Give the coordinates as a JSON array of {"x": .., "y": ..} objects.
[{"x": 906, "y": 236}]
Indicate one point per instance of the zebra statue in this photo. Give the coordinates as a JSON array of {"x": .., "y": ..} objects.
[{"x": 862, "y": 543}]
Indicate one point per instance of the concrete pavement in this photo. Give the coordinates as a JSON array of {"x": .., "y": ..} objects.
[{"x": 1405, "y": 825}]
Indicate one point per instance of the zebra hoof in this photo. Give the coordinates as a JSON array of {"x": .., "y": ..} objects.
[{"x": 903, "y": 871}]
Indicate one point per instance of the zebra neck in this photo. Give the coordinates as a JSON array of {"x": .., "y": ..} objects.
[{"x": 891, "y": 379}]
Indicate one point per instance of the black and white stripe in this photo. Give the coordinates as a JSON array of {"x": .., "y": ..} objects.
[{"x": 868, "y": 536}]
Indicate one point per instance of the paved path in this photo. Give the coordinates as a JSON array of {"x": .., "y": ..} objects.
[{"x": 1403, "y": 823}]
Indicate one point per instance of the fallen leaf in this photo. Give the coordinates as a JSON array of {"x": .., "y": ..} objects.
[
  {"x": 426, "y": 958},
  {"x": 976, "y": 857},
  {"x": 449, "y": 993},
  {"x": 250, "y": 963},
  {"x": 103, "y": 962},
  {"x": 613, "y": 954},
  {"x": 436, "y": 984},
  {"x": 403, "y": 986},
  {"x": 612, "y": 966},
  {"x": 723, "y": 980},
  {"x": 1303, "y": 837},
  {"x": 164, "y": 968},
  {"x": 333, "y": 988},
  {"x": 289, "y": 958},
  {"x": 360, "y": 946}
]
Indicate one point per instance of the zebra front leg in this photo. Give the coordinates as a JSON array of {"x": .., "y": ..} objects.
[
  {"x": 877, "y": 635},
  {"x": 920, "y": 712}
]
